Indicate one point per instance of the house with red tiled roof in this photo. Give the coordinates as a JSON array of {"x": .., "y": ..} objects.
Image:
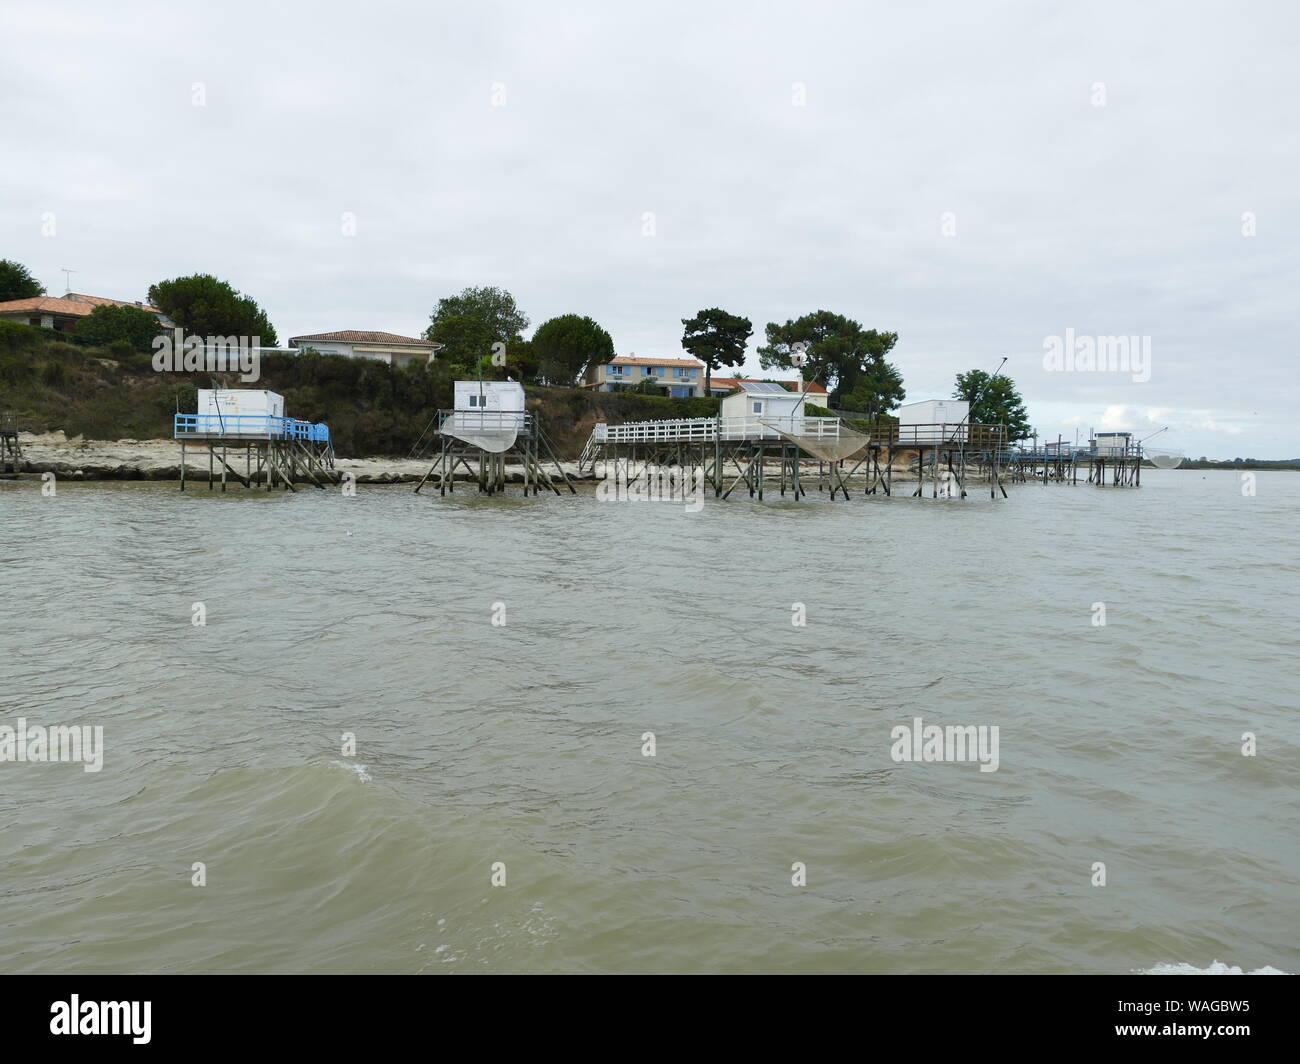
[
  {"x": 681, "y": 378},
  {"x": 814, "y": 392},
  {"x": 62, "y": 313},
  {"x": 359, "y": 343}
]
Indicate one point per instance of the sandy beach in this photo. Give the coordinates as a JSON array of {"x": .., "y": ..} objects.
[{"x": 82, "y": 459}]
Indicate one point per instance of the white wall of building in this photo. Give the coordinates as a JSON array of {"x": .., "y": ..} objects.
[{"x": 489, "y": 395}]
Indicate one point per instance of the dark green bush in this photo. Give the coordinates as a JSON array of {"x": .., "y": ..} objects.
[{"x": 14, "y": 336}]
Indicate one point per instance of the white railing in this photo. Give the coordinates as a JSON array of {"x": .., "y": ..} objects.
[
  {"x": 454, "y": 421},
  {"x": 707, "y": 429},
  {"x": 692, "y": 428}
]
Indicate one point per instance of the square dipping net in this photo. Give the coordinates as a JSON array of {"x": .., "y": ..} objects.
[{"x": 829, "y": 448}]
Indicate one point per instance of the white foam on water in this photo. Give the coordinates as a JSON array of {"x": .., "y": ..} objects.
[
  {"x": 1217, "y": 968},
  {"x": 360, "y": 770}
]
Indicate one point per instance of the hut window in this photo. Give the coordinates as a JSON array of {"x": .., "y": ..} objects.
[{"x": 758, "y": 406}]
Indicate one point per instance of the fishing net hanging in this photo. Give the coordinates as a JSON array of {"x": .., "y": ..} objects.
[
  {"x": 1163, "y": 458},
  {"x": 828, "y": 448}
]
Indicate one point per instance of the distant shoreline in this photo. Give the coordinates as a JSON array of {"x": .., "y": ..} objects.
[{"x": 1245, "y": 463}]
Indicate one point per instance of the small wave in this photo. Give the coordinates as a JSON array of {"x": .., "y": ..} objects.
[
  {"x": 1217, "y": 968},
  {"x": 360, "y": 770}
]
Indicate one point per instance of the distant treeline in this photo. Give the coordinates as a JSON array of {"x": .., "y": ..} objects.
[{"x": 1240, "y": 463}]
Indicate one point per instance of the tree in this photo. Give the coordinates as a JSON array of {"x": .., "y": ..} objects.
[
  {"x": 840, "y": 352},
  {"x": 16, "y": 282},
  {"x": 994, "y": 401},
  {"x": 131, "y": 325},
  {"x": 515, "y": 361},
  {"x": 876, "y": 391},
  {"x": 565, "y": 346},
  {"x": 717, "y": 339},
  {"x": 467, "y": 325},
  {"x": 205, "y": 306}
]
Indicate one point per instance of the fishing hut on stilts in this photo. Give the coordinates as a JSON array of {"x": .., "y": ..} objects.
[
  {"x": 243, "y": 426},
  {"x": 487, "y": 429},
  {"x": 765, "y": 439},
  {"x": 1115, "y": 455},
  {"x": 948, "y": 454}
]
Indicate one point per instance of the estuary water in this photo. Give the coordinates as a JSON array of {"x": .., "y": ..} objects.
[{"x": 232, "y": 827}]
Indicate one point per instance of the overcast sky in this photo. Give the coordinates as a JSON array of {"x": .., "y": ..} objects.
[{"x": 977, "y": 177}]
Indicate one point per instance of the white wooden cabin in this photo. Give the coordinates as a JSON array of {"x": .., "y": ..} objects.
[
  {"x": 1114, "y": 444},
  {"x": 237, "y": 411},
  {"x": 489, "y": 395},
  {"x": 747, "y": 412},
  {"x": 934, "y": 421},
  {"x": 489, "y": 404}
]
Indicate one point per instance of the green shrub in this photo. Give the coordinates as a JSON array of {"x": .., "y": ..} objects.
[{"x": 15, "y": 336}]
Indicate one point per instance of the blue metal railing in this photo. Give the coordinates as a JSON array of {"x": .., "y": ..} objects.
[{"x": 249, "y": 426}]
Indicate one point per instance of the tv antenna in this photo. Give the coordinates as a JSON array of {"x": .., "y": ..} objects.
[{"x": 67, "y": 278}]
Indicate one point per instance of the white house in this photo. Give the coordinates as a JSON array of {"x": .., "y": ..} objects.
[{"x": 381, "y": 346}]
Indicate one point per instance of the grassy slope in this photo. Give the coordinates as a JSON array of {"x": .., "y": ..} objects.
[{"x": 372, "y": 409}]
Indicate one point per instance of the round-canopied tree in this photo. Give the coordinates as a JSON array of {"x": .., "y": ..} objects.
[
  {"x": 468, "y": 326},
  {"x": 16, "y": 282},
  {"x": 564, "y": 347},
  {"x": 836, "y": 350},
  {"x": 205, "y": 306}
]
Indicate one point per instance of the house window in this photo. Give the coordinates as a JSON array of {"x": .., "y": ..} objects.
[
  {"x": 615, "y": 371},
  {"x": 473, "y": 400},
  {"x": 758, "y": 406}
]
